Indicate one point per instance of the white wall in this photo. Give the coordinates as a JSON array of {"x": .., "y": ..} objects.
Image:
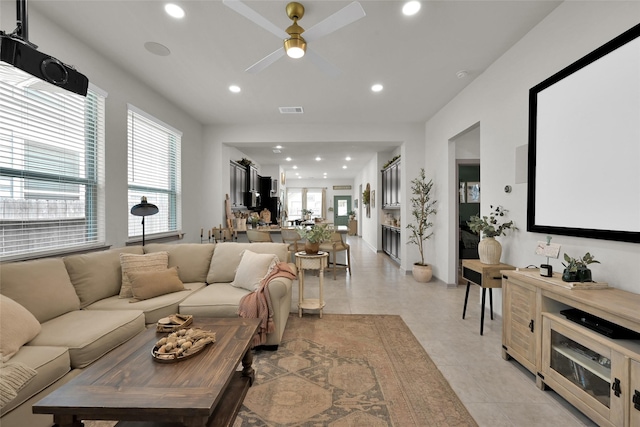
[
  {"x": 498, "y": 100},
  {"x": 122, "y": 89},
  {"x": 216, "y": 156}
]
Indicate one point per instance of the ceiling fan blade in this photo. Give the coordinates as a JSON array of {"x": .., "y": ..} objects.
[
  {"x": 341, "y": 18},
  {"x": 266, "y": 61},
  {"x": 322, "y": 63},
  {"x": 255, "y": 17}
]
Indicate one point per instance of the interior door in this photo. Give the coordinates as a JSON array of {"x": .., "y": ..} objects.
[{"x": 342, "y": 207}]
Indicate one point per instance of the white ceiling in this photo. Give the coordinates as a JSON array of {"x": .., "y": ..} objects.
[{"x": 415, "y": 58}]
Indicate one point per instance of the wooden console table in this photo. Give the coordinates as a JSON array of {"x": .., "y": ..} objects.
[
  {"x": 487, "y": 276},
  {"x": 597, "y": 374}
]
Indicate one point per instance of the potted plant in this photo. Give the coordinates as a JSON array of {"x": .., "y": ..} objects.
[
  {"x": 306, "y": 214},
  {"x": 313, "y": 236},
  {"x": 422, "y": 207},
  {"x": 352, "y": 215},
  {"x": 576, "y": 269},
  {"x": 489, "y": 249}
]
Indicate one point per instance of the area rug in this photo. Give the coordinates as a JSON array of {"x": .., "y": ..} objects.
[{"x": 348, "y": 370}]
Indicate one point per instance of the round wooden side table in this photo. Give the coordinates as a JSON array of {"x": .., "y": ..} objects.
[{"x": 304, "y": 262}]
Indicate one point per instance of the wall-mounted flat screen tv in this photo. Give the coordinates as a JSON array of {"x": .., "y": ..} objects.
[{"x": 584, "y": 146}]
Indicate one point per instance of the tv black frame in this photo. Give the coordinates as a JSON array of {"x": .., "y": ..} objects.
[{"x": 616, "y": 235}]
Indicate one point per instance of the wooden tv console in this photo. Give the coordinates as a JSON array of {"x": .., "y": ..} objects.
[{"x": 598, "y": 375}]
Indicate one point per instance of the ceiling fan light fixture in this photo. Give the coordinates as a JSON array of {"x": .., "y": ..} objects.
[{"x": 295, "y": 46}]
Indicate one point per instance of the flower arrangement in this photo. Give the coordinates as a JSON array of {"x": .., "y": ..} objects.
[
  {"x": 306, "y": 212},
  {"x": 490, "y": 226},
  {"x": 315, "y": 233}
]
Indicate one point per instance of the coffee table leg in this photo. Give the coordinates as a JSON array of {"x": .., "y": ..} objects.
[
  {"x": 67, "y": 421},
  {"x": 247, "y": 367}
]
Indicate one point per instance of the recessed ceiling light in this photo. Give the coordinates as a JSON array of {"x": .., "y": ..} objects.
[
  {"x": 174, "y": 10},
  {"x": 235, "y": 88},
  {"x": 324, "y": 173},
  {"x": 279, "y": 147},
  {"x": 157, "y": 49},
  {"x": 325, "y": 177},
  {"x": 462, "y": 74},
  {"x": 376, "y": 87},
  {"x": 344, "y": 166},
  {"x": 411, "y": 8},
  {"x": 295, "y": 167},
  {"x": 288, "y": 159},
  {"x": 318, "y": 159},
  {"x": 348, "y": 159}
]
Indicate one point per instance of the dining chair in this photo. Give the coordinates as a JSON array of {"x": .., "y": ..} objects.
[
  {"x": 258, "y": 236},
  {"x": 291, "y": 237},
  {"x": 334, "y": 245}
]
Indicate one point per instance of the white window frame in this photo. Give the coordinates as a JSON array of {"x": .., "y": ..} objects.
[
  {"x": 154, "y": 171},
  {"x": 51, "y": 168}
]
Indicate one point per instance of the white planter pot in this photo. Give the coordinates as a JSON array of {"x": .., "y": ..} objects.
[
  {"x": 489, "y": 250},
  {"x": 422, "y": 273}
]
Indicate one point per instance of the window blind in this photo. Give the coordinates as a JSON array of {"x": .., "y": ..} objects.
[
  {"x": 51, "y": 167},
  {"x": 154, "y": 172}
]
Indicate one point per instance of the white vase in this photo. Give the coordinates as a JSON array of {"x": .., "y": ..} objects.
[
  {"x": 489, "y": 250},
  {"x": 422, "y": 273}
]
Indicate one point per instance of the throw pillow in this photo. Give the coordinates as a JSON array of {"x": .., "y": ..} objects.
[
  {"x": 17, "y": 327},
  {"x": 132, "y": 263},
  {"x": 149, "y": 284},
  {"x": 13, "y": 376},
  {"x": 252, "y": 269}
]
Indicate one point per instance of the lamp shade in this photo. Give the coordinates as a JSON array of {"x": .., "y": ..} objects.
[{"x": 144, "y": 208}]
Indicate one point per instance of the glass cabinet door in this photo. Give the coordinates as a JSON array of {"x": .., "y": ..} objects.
[{"x": 586, "y": 368}]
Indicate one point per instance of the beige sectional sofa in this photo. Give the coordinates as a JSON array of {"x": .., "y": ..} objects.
[{"x": 76, "y": 301}]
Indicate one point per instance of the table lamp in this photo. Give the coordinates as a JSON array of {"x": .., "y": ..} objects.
[{"x": 143, "y": 209}]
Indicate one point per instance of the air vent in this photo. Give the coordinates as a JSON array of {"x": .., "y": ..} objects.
[{"x": 291, "y": 110}]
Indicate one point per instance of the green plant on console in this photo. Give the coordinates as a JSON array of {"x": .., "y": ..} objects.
[
  {"x": 576, "y": 270},
  {"x": 490, "y": 226}
]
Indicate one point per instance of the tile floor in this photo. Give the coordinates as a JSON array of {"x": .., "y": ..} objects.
[{"x": 496, "y": 392}]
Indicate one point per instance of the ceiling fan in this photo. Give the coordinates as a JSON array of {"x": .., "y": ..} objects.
[{"x": 294, "y": 44}]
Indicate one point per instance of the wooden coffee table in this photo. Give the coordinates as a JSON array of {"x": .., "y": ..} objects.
[{"x": 127, "y": 385}]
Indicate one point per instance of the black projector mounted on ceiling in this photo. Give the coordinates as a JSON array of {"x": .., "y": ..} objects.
[{"x": 15, "y": 49}]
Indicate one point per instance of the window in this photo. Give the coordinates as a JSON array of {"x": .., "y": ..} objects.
[
  {"x": 305, "y": 198},
  {"x": 51, "y": 167},
  {"x": 154, "y": 172}
]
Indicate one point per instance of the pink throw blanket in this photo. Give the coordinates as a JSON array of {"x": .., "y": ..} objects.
[{"x": 257, "y": 304}]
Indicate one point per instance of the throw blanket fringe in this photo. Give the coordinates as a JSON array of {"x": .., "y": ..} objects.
[{"x": 257, "y": 304}]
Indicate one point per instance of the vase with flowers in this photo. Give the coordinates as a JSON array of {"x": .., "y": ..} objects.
[
  {"x": 489, "y": 249},
  {"x": 313, "y": 236}
]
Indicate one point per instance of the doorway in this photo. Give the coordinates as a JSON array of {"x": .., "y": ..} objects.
[{"x": 342, "y": 207}]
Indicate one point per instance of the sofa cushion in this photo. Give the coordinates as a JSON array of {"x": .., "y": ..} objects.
[
  {"x": 226, "y": 258},
  {"x": 149, "y": 284},
  {"x": 134, "y": 263},
  {"x": 50, "y": 363},
  {"x": 17, "y": 327},
  {"x": 89, "y": 334},
  {"x": 192, "y": 259},
  {"x": 37, "y": 284},
  {"x": 153, "y": 308},
  {"x": 13, "y": 377},
  {"x": 97, "y": 275},
  {"x": 252, "y": 269},
  {"x": 217, "y": 300}
]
